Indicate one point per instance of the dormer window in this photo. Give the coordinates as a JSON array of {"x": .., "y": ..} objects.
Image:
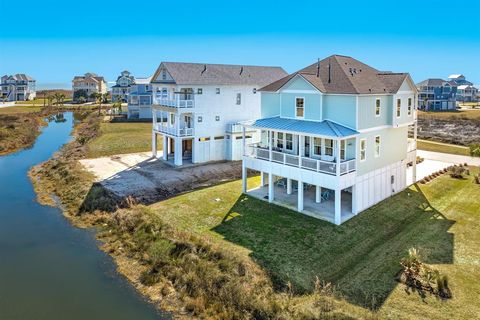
[
  {"x": 377, "y": 107},
  {"x": 299, "y": 107}
]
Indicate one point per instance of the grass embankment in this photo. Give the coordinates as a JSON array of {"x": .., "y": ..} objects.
[
  {"x": 121, "y": 137},
  {"x": 450, "y": 115},
  {"x": 442, "y": 147},
  {"x": 19, "y": 127},
  {"x": 217, "y": 253}
]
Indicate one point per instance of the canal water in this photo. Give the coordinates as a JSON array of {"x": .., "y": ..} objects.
[{"x": 49, "y": 269}]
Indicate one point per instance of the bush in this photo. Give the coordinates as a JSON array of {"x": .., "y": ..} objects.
[
  {"x": 475, "y": 150},
  {"x": 457, "y": 172}
]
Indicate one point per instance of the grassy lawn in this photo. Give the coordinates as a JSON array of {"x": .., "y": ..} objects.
[
  {"x": 121, "y": 137},
  {"x": 442, "y": 147},
  {"x": 362, "y": 256},
  {"x": 20, "y": 109}
]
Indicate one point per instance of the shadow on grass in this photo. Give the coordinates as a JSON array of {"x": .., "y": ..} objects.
[{"x": 361, "y": 257}]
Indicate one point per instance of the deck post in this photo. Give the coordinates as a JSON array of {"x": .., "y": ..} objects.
[
  {"x": 338, "y": 206},
  {"x": 177, "y": 153},
  {"x": 270, "y": 187},
  {"x": 300, "y": 196},
  {"x": 414, "y": 168},
  {"x": 165, "y": 147},
  {"x": 337, "y": 153},
  {"x": 243, "y": 141},
  {"x": 354, "y": 199},
  {"x": 270, "y": 138},
  {"x": 318, "y": 194},
  {"x": 244, "y": 178},
  {"x": 154, "y": 144},
  {"x": 262, "y": 179},
  {"x": 289, "y": 186}
]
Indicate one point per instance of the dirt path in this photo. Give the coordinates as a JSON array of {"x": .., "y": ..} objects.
[{"x": 149, "y": 179}]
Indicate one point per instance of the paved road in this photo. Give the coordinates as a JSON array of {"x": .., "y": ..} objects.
[{"x": 445, "y": 157}]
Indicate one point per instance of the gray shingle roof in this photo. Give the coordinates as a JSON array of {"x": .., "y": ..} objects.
[
  {"x": 324, "y": 128},
  {"x": 345, "y": 75},
  {"x": 221, "y": 74},
  {"x": 432, "y": 83}
]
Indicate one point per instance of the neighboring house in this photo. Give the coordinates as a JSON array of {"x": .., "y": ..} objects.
[
  {"x": 466, "y": 92},
  {"x": 334, "y": 138},
  {"x": 437, "y": 94},
  {"x": 197, "y": 107},
  {"x": 140, "y": 99},
  {"x": 86, "y": 85},
  {"x": 19, "y": 87},
  {"x": 121, "y": 89}
]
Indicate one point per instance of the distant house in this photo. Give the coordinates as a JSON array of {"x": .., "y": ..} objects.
[
  {"x": 18, "y": 87},
  {"x": 122, "y": 87},
  {"x": 437, "y": 94},
  {"x": 466, "y": 91},
  {"x": 140, "y": 99},
  {"x": 84, "y": 86},
  {"x": 197, "y": 106},
  {"x": 334, "y": 138}
]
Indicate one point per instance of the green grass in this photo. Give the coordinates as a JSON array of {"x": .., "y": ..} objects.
[
  {"x": 442, "y": 147},
  {"x": 20, "y": 109},
  {"x": 450, "y": 115},
  {"x": 121, "y": 137},
  {"x": 362, "y": 256}
]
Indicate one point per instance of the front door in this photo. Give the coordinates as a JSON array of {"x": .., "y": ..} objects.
[
  {"x": 307, "y": 146},
  {"x": 187, "y": 148}
]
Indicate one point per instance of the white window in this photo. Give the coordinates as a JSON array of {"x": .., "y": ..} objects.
[
  {"x": 172, "y": 119},
  {"x": 217, "y": 118},
  {"x": 342, "y": 149},
  {"x": 289, "y": 141},
  {"x": 164, "y": 93},
  {"x": 239, "y": 98},
  {"x": 377, "y": 146},
  {"x": 199, "y": 91},
  {"x": 317, "y": 146},
  {"x": 279, "y": 140},
  {"x": 329, "y": 147},
  {"x": 299, "y": 107},
  {"x": 363, "y": 149},
  {"x": 164, "y": 75},
  {"x": 377, "y": 107},
  {"x": 399, "y": 107},
  {"x": 217, "y": 90},
  {"x": 409, "y": 106}
]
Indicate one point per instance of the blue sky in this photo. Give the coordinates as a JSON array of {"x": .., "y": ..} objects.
[{"x": 54, "y": 40}]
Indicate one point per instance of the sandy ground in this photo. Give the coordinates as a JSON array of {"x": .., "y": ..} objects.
[{"x": 149, "y": 179}]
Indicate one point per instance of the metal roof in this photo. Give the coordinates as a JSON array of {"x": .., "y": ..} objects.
[{"x": 324, "y": 128}]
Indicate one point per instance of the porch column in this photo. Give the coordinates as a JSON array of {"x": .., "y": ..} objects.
[
  {"x": 244, "y": 178},
  {"x": 354, "y": 199},
  {"x": 270, "y": 187},
  {"x": 338, "y": 206},
  {"x": 337, "y": 153},
  {"x": 300, "y": 196},
  {"x": 262, "y": 179},
  {"x": 154, "y": 117},
  {"x": 414, "y": 168},
  {"x": 301, "y": 149},
  {"x": 176, "y": 126},
  {"x": 318, "y": 194},
  {"x": 243, "y": 141},
  {"x": 270, "y": 137},
  {"x": 289, "y": 186},
  {"x": 177, "y": 153},
  {"x": 154, "y": 144},
  {"x": 165, "y": 147}
]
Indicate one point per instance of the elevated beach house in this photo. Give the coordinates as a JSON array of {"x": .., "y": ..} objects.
[
  {"x": 140, "y": 99},
  {"x": 334, "y": 138},
  {"x": 84, "y": 86},
  {"x": 18, "y": 87},
  {"x": 196, "y": 108},
  {"x": 121, "y": 89}
]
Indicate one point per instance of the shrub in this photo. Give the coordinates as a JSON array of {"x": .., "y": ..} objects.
[
  {"x": 475, "y": 150},
  {"x": 457, "y": 172}
]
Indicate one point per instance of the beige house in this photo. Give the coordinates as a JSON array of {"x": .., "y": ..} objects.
[{"x": 87, "y": 84}]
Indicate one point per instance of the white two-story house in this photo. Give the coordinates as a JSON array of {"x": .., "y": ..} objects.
[
  {"x": 334, "y": 138},
  {"x": 196, "y": 108},
  {"x": 18, "y": 87}
]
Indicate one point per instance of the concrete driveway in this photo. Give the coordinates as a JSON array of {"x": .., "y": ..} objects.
[{"x": 149, "y": 179}]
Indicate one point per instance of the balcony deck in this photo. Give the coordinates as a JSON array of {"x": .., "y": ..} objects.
[{"x": 174, "y": 131}]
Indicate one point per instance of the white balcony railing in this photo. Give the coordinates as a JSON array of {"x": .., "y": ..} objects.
[
  {"x": 234, "y": 127},
  {"x": 174, "y": 131},
  {"x": 180, "y": 101},
  {"x": 411, "y": 146},
  {"x": 328, "y": 167}
]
